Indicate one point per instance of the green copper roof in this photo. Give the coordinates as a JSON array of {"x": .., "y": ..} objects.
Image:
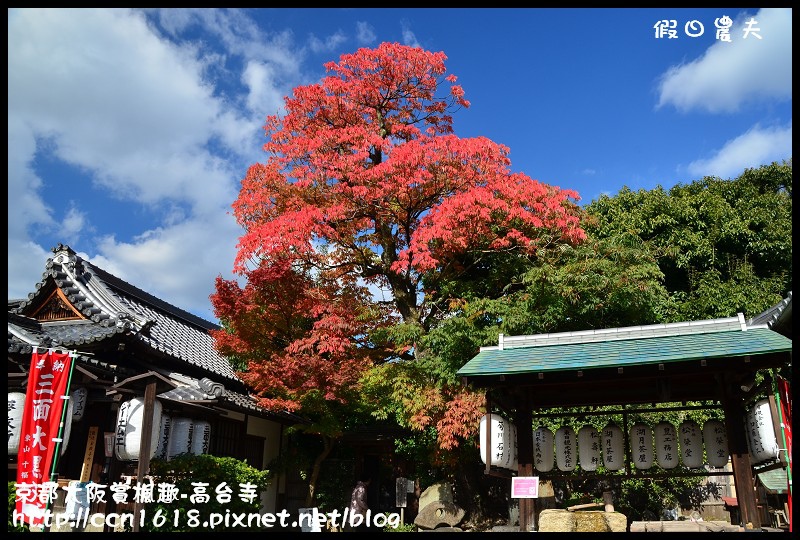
[
  {"x": 623, "y": 347},
  {"x": 776, "y": 480}
]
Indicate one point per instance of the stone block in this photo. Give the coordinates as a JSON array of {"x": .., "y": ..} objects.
[{"x": 439, "y": 513}]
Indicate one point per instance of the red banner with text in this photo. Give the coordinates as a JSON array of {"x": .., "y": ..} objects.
[
  {"x": 48, "y": 384},
  {"x": 784, "y": 389}
]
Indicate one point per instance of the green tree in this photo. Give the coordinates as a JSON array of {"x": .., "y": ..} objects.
[{"x": 724, "y": 246}]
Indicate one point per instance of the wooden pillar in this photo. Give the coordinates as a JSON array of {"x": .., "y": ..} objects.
[
  {"x": 144, "y": 447},
  {"x": 735, "y": 427},
  {"x": 527, "y": 507}
]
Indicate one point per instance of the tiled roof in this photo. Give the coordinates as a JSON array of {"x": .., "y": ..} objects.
[
  {"x": 623, "y": 347},
  {"x": 775, "y": 480},
  {"x": 114, "y": 306},
  {"x": 25, "y": 333},
  {"x": 116, "y": 309},
  {"x": 778, "y": 315}
]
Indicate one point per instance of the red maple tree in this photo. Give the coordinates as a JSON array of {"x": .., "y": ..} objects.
[{"x": 366, "y": 186}]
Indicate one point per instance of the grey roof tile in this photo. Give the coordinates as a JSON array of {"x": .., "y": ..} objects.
[{"x": 117, "y": 309}]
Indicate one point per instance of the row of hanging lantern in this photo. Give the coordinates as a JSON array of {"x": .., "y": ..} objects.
[
  {"x": 664, "y": 444},
  {"x": 169, "y": 437}
]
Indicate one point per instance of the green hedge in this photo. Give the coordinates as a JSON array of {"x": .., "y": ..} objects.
[
  {"x": 12, "y": 504},
  {"x": 215, "y": 476}
]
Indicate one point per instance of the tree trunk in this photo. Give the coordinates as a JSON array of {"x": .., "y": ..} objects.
[{"x": 328, "y": 444}]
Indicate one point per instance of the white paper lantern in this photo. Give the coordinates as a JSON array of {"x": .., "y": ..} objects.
[
  {"x": 67, "y": 426},
  {"x": 761, "y": 434},
  {"x": 613, "y": 447},
  {"x": 691, "y": 444},
  {"x": 16, "y": 405},
  {"x": 128, "y": 436},
  {"x": 494, "y": 425},
  {"x": 78, "y": 398},
  {"x": 180, "y": 437},
  {"x": 589, "y": 446},
  {"x": 642, "y": 446},
  {"x": 201, "y": 437},
  {"x": 667, "y": 452},
  {"x": 163, "y": 437},
  {"x": 566, "y": 448},
  {"x": 510, "y": 461},
  {"x": 543, "y": 449},
  {"x": 715, "y": 439}
]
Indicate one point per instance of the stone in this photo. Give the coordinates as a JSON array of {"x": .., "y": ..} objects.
[
  {"x": 616, "y": 522},
  {"x": 559, "y": 520},
  {"x": 590, "y": 522},
  {"x": 439, "y": 513},
  {"x": 556, "y": 520},
  {"x": 505, "y": 528},
  {"x": 439, "y": 492}
]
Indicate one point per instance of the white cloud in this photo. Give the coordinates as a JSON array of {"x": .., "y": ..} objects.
[
  {"x": 409, "y": 38},
  {"x": 263, "y": 96},
  {"x": 154, "y": 124},
  {"x": 365, "y": 34},
  {"x": 73, "y": 224},
  {"x": 732, "y": 74},
  {"x": 177, "y": 264},
  {"x": 330, "y": 43},
  {"x": 759, "y": 146},
  {"x": 26, "y": 262}
]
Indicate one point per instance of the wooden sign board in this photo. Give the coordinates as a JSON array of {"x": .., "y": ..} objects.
[{"x": 88, "y": 456}]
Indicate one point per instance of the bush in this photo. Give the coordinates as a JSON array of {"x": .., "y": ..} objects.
[
  {"x": 405, "y": 527},
  {"x": 12, "y": 504},
  {"x": 211, "y": 485}
]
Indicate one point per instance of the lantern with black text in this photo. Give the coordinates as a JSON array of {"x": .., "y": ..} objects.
[
  {"x": 163, "y": 436},
  {"x": 78, "y": 398},
  {"x": 510, "y": 461},
  {"x": 761, "y": 433},
  {"x": 201, "y": 437},
  {"x": 128, "y": 436},
  {"x": 180, "y": 437},
  {"x": 494, "y": 426},
  {"x": 16, "y": 405},
  {"x": 667, "y": 452},
  {"x": 566, "y": 448},
  {"x": 543, "y": 449},
  {"x": 613, "y": 447},
  {"x": 589, "y": 446},
  {"x": 715, "y": 439},
  {"x": 642, "y": 446},
  {"x": 691, "y": 443}
]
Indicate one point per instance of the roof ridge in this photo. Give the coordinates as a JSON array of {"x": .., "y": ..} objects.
[{"x": 726, "y": 324}]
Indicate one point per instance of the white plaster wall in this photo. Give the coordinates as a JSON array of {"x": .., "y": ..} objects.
[{"x": 271, "y": 432}]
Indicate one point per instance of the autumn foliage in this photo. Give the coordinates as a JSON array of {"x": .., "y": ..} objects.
[{"x": 366, "y": 186}]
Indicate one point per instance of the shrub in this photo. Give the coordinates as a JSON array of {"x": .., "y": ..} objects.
[
  {"x": 12, "y": 504},
  {"x": 211, "y": 485}
]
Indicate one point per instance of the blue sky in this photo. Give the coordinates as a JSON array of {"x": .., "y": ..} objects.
[{"x": 129, "y": 131}]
